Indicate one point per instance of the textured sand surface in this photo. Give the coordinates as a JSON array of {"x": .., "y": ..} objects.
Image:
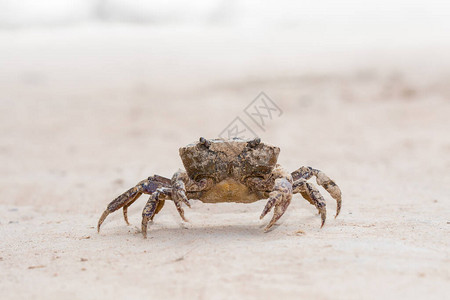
[{"x": 75, "y": 134}]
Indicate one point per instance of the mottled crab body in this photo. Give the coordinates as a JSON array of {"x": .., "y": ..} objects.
[
  {"x": 233, "y": 170},
  {"x": 228, "y": 167}
]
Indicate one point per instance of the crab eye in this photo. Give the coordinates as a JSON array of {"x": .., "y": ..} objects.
[
  {"x": 204, "y": 142},
  {"x": 253, "y": 143}
]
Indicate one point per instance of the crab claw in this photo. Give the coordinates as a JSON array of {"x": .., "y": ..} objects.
[
  {"x": 179, "y": 193},
  {"x": 180, "y": 211},
  {"x": 178, "y": 197},
  {"x": 278, "y": 212},
  {"x": 274, "y": 197},
  {"x": 184, "y": 198},
  {"x": 280, "y": 198}
]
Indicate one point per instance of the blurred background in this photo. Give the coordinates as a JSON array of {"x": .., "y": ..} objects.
[
  {"x": 97, "y": 95},
  {"x": 119, "y": 78}
]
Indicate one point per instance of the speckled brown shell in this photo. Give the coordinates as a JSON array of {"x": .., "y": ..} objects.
[{"x": 228, "y": 158}]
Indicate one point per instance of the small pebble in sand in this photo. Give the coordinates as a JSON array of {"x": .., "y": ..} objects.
[{"x": 36, "y": 267}]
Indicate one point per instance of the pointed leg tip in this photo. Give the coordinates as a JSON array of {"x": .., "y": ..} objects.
[
  {"x": 270, "y": 225},
  {"x": 144, "y": 229},
  {"x": 99, "y": 224},
  {"x": 338, "y": 211},
  {"x": 322, "y": 224},
  {"x": 186, "y": 201},
  {"x": 181, "y": 213},
  {"x": 264, "y": 213},
  {"x": 102, "y": 218}
]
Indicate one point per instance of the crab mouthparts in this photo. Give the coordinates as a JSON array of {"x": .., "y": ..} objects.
[{"x": 229, "y": 190}]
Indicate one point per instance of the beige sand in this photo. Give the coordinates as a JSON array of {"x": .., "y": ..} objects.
[{"x": 74, "y": 135}]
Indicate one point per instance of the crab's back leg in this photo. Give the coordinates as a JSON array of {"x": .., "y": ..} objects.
[
  {"x": 147, "y": 186},
  {"x": 125, "y": 207},
  {"x": 322, "y": 180}
]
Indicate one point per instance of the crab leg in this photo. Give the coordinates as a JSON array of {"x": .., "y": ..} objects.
[
  {"x": 179, "y": 190},
  {"x": 280, "y": 197},
  {"x": 312, "y": 194},
  {"x": 152, "y": 205},
  {"x": 322, "y": 180},
  {"x": 177, "y": 193},
  {"x": 180, "y": 183},
  {"x": 125, "y": 207},
  {"x": 147, "y": 186}
]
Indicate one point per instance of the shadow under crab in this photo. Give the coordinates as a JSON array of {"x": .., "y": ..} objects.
[{"x": 235, "y": 170}]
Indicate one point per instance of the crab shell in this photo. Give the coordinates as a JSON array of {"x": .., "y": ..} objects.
[{"x": 220, "y": 159}]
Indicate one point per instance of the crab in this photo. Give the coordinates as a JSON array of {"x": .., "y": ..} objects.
[{"x": 234, "y": 170}]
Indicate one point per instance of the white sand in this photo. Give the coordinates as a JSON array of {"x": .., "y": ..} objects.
[{"x": 85, "y": 116}]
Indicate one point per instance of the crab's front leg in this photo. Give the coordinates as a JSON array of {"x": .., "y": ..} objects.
[
  {"x": 279, "y": 197},
  {"x": 180, "y": 185},
  {"x": 179, "y": 192},
  {"x": 151, "y": 207},
  {"x": 176, "y": 192}
]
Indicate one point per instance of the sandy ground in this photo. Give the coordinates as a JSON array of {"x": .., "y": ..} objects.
[{"x": 74, "y": 135}]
